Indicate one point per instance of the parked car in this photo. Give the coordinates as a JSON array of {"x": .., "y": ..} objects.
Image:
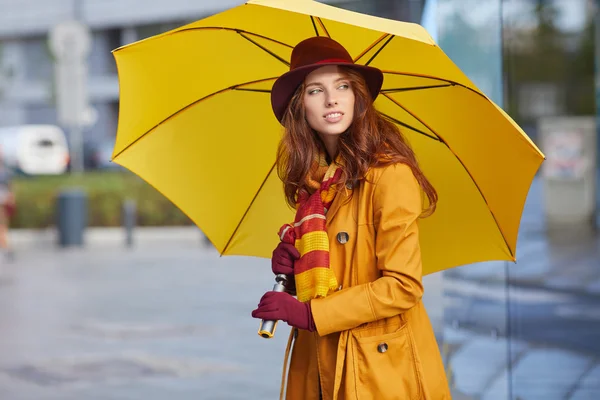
[{"x": 34, "y": 149}]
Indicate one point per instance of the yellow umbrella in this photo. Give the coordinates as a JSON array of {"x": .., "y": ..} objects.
[{"x": 196, "y": 123}]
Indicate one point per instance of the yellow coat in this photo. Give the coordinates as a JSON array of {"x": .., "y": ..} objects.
[{"x": 374, "y": 339}]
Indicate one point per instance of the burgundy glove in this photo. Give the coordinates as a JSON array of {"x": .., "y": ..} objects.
[
  {"x": 282, "y": 262},
  {"x": 284, "y": 307}
]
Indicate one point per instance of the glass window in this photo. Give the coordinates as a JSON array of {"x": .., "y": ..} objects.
[
  {"x": 101, "y": 61},
  {"x": 554, "y": 292},
  {"x": 145, "y": 31},
  {"x": 37, "y": 59},
  {"x": 476, "y": 339}
]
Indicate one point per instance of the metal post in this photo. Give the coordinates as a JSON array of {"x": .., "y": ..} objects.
[
  {"x": 70, "y": 43},
  {"x": 129, "y": 220},
  {"x": 76, "y": 134}
]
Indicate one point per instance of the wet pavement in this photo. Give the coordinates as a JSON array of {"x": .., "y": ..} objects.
[
  {"x": 151, "y": 323},
  {"x": 170, "y": 319}
]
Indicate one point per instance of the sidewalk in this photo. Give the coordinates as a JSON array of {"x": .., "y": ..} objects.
[
  {"x": 27, "y": 239},
  {"x": 478, "y": 369},
  {"x": 168, "y": 321}
]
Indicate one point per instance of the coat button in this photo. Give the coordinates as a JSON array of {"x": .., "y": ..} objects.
[
  {"x": 382, "y": 348},
  {"x": 349, "y": 185},
  {"x": 343, "y": 237}
]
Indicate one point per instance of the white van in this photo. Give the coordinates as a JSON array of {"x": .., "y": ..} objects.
[{"x": 35, "y": 149}]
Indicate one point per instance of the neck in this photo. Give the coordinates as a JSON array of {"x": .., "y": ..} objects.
[{"x": 331, "y": 145}]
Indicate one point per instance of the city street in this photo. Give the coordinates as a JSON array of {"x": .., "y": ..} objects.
[
  {"x": 171, "y": 319},
  {"x": 162, "y": 321}
]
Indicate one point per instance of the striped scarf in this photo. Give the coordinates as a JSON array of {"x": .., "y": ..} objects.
[{"x": 314, "y": 278}]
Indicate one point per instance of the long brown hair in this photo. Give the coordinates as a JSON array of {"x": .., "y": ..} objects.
[{"x": 371, "y": 141}]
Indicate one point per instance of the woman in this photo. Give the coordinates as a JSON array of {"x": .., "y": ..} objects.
[
  {"x": 7, "y": 206},
  {"x": 360, "y": 330}
]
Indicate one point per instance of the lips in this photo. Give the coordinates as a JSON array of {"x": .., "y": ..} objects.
[{"x": 333, "y": 116}]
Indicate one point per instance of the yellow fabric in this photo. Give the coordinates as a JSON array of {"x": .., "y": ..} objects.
[
  {"x": 380, "y": 270},
  {"x": 195, "y": 95},
  {"x": 312, "y": 241},
  {"x": 315, "y": 283}
]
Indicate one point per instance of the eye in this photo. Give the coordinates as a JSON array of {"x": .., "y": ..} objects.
[
  {"x": 344, "y": 86},
  {"x": 313, "y": 91}
]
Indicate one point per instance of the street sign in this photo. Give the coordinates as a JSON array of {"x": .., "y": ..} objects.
[{"x": 70, "y": 43}]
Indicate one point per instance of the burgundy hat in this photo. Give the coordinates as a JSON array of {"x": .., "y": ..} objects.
[{"x": 309, "y": 55}]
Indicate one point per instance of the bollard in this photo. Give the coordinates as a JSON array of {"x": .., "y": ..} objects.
[
  {"x": 71, "y": 215},
  {"x": 129, "y": 220}
]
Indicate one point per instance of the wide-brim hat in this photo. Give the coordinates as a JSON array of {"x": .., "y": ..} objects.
[{"x": 309, "y": 55}]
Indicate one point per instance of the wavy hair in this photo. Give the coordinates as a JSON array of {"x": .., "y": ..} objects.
[{"x": 372, "y": 140}]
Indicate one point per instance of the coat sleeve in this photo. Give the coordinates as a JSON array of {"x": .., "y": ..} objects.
[{"x": 397, "y": 205}]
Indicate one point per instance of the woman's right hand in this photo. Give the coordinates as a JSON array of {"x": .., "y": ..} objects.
[
  {"x": 284, "y": 256},
  {"x": 282, "y": 262}
]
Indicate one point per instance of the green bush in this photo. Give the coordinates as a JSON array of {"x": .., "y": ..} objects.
[{"x": 106, "y": 192}]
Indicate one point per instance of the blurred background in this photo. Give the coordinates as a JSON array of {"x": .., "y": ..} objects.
[{"x": 107, "y": 291}]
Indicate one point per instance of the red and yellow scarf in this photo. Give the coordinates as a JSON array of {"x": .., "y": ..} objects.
[{"x": 313, "y": 275}]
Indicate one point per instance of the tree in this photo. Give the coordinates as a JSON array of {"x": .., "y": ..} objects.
[{"x": 546, "y": 55}]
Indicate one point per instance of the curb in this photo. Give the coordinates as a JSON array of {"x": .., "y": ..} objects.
[{"x": 29, "y": 239}]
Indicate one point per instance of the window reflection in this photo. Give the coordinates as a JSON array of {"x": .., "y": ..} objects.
[{"x": 529, "y": 330}]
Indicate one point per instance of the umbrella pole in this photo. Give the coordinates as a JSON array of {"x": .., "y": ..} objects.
[{"x": 267, "y": 327}]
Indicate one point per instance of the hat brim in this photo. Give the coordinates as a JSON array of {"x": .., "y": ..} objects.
[{"x": 285, "y": 86}]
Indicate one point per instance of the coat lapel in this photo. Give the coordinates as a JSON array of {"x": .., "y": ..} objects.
[{"x": 340, "y": 200}]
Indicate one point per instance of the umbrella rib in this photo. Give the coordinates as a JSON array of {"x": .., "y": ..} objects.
[
  {"x": 371, "y": 46},
  {"x": 222, "y": 28},
  {"x": 408, "y": 89},
  {"x": 422, "y": 76},
  {"x": 323, "y": 26},
  {"x": 252, "y": 90},
  {"x": 264, "y": 49},
  {"x": 235, "y": 87},
  {"x": 312, "y": 19},
  {"x": 410, "y": 127},
  {"x": 212, "y": 28},
  {"x": 452, "y": 83},
  {"x": 381, "y": 48},
  {"x": 248, "y": 209},
  {"x": 464, "y": 167}
]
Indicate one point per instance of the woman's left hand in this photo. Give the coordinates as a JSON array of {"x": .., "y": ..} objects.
[{"x": 281, "y": 306}]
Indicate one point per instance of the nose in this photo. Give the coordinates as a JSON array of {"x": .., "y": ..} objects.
[{"x": 330, "y": 98}]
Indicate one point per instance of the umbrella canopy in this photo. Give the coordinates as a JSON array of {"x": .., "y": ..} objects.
[{"x": 196, "y": 123}]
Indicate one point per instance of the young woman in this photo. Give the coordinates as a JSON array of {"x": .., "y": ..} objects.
[{"x": 360, "y": 330}]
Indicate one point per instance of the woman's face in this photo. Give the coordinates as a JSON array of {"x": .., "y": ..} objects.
[{"x": 329, "y": 102}]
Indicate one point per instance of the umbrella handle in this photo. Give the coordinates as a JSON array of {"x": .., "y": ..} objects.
[{"x": 267, "y": 327}]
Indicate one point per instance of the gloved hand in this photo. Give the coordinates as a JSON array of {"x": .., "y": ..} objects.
[
  {"x": 283, "y": 307},
  {"x": 282, "y": 262}
]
